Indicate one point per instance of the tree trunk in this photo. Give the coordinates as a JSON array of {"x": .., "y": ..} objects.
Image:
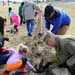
[
  {"x": 8, "y": 2},
  {"x": 3, "y": 2}
]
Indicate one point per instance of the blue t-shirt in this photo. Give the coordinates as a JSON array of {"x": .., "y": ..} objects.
[{"x": 63, "y": 19}]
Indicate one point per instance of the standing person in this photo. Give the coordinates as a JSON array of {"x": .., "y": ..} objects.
[
  {"x": 20, "y": 12},
  {"x": 65, "y": 49},
  {"x": 10, "y": 14},
  {"x": 28, "y": 13},
  {"x": 58, "y": 18},
  {"x": 16, "y": 22},
  {"x": 19, "y": 60}
]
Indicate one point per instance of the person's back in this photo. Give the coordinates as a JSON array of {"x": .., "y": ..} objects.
[
  {"x": 28, "y": 10},
  {"x": 16, "y": 20},
  {"x": 64, "y": 16}
]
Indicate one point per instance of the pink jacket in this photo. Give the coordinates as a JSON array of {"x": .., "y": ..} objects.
[{"x": 16, "y": 20}]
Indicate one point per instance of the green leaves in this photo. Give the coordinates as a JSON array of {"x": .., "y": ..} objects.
[
  {"x": 41, "y": 64},
  {"x": 36, "y": 45},
  {"x": 55, "y": 59}
]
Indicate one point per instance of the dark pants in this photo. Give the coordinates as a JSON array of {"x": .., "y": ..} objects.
[
  {"x": 21, "y": 19},
  {"x": 30, "y": 25},
  {"x": 24, "y": 60},
  {"x": 4, "y": 58},
  {"x": 16, "y": 29},
  {"x": 72, "y": 70},
  {"x": 11, "y": 21}
]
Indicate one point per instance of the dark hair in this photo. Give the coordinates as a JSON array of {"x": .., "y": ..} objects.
[
  {"x": 48, "y": 10},
  {"x": 22, "y": 3},
  {"x": 2, "y": 19},
  {"x": 10, "y": 9}
]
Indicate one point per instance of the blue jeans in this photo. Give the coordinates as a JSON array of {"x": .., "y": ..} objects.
[
  {"x": 30, "y": 25},
  {"x": 4, "y": 58}
]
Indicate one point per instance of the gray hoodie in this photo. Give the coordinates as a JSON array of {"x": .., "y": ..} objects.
[{"x": 28, "y": 10}]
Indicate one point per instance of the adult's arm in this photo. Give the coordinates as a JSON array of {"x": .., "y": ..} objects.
[
  {"x": 36, "y": 7},
  {"x": 47, "y": 24},
  {"x": 56, "y": 25},
  {"x": 70, "y": 47}
]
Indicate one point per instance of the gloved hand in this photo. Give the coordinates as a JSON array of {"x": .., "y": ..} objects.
[
  {"x": 4, "y": 51},
  {"x": 6, "y": 39},
  {"x": 63, "y": 65},
  {"x": 38, "y": 70},
  {"x": 46, "y": 66}
]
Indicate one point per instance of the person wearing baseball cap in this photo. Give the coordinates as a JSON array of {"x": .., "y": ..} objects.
[
  {"x": 58, "y": 18},
  {"x": 65, "y": 49}
]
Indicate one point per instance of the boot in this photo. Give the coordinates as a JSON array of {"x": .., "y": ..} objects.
[
  {"x": 4, "y": 73},
  {"x": 22, "y": 68}
]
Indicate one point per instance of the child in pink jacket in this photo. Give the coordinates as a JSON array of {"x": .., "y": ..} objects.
[{"x": 16, "y": 22}]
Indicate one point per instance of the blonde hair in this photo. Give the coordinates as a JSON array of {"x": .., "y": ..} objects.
[{"x": 23, "y": 48}]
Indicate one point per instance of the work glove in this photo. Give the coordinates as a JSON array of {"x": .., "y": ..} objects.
[
  {"x": 46, "y": 66},
  {"x": 6, "y": 39},
  {"x": 63, "y": 65},
  {"x": 37, "y": 69}
]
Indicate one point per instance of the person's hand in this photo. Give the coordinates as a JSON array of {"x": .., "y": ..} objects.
[
  {"x": 46, "y": 66},
  {"x": 6, "y": 39},
  {"x": 38, "y": 70}
]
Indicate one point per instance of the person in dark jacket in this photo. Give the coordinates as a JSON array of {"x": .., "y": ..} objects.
[
  {"x": 58, "y": 18},
  {"x": 20, "y": 12},
  {"x": 65, "y": 49}
]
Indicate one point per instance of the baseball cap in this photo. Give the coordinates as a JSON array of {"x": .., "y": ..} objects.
[
  {"x": 48, "y": 10},
  {"x": 47, "y": 36}
]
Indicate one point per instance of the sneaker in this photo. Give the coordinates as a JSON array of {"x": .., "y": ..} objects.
[
  {"x": 22, "y": 68},
  {"x": 4, "y": 73},
  {"x": 29, "y": 35},
  {"x": 17, "y": 32}
]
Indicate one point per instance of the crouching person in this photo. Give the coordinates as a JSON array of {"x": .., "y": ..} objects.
[
  {"x": 18, "y": 59},
  {"x": 65, "y": 49}
]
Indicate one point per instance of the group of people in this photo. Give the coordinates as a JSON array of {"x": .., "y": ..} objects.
[
  {"x": 18, "y": 58},
  {"x": 14, "y": 19},
  {"x": 63, "y": 44}
]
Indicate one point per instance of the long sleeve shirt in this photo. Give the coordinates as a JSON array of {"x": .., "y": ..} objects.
[
  {"x": 57, "y": 22},
  {"x": 15, "y": 57}
]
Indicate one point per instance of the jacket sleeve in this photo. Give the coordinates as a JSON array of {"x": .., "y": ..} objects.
[
  {"x": 70, "y": 47},
  {"x": 47, "y": 23},
  {"x": 56, "y": 25},
  {"x": 23, "y": 10},
  {"x": 36, "y": 7},
  {"x": 29, "y": 65}
]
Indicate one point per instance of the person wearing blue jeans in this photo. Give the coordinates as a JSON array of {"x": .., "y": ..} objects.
[
  {"x": 28, "y": 14},
  {"x": 30, "y": 26}
]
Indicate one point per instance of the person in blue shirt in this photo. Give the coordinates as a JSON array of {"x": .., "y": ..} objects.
[
  {"x": 58, "y": 18},
  {"x": 10, "y": 14}
]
